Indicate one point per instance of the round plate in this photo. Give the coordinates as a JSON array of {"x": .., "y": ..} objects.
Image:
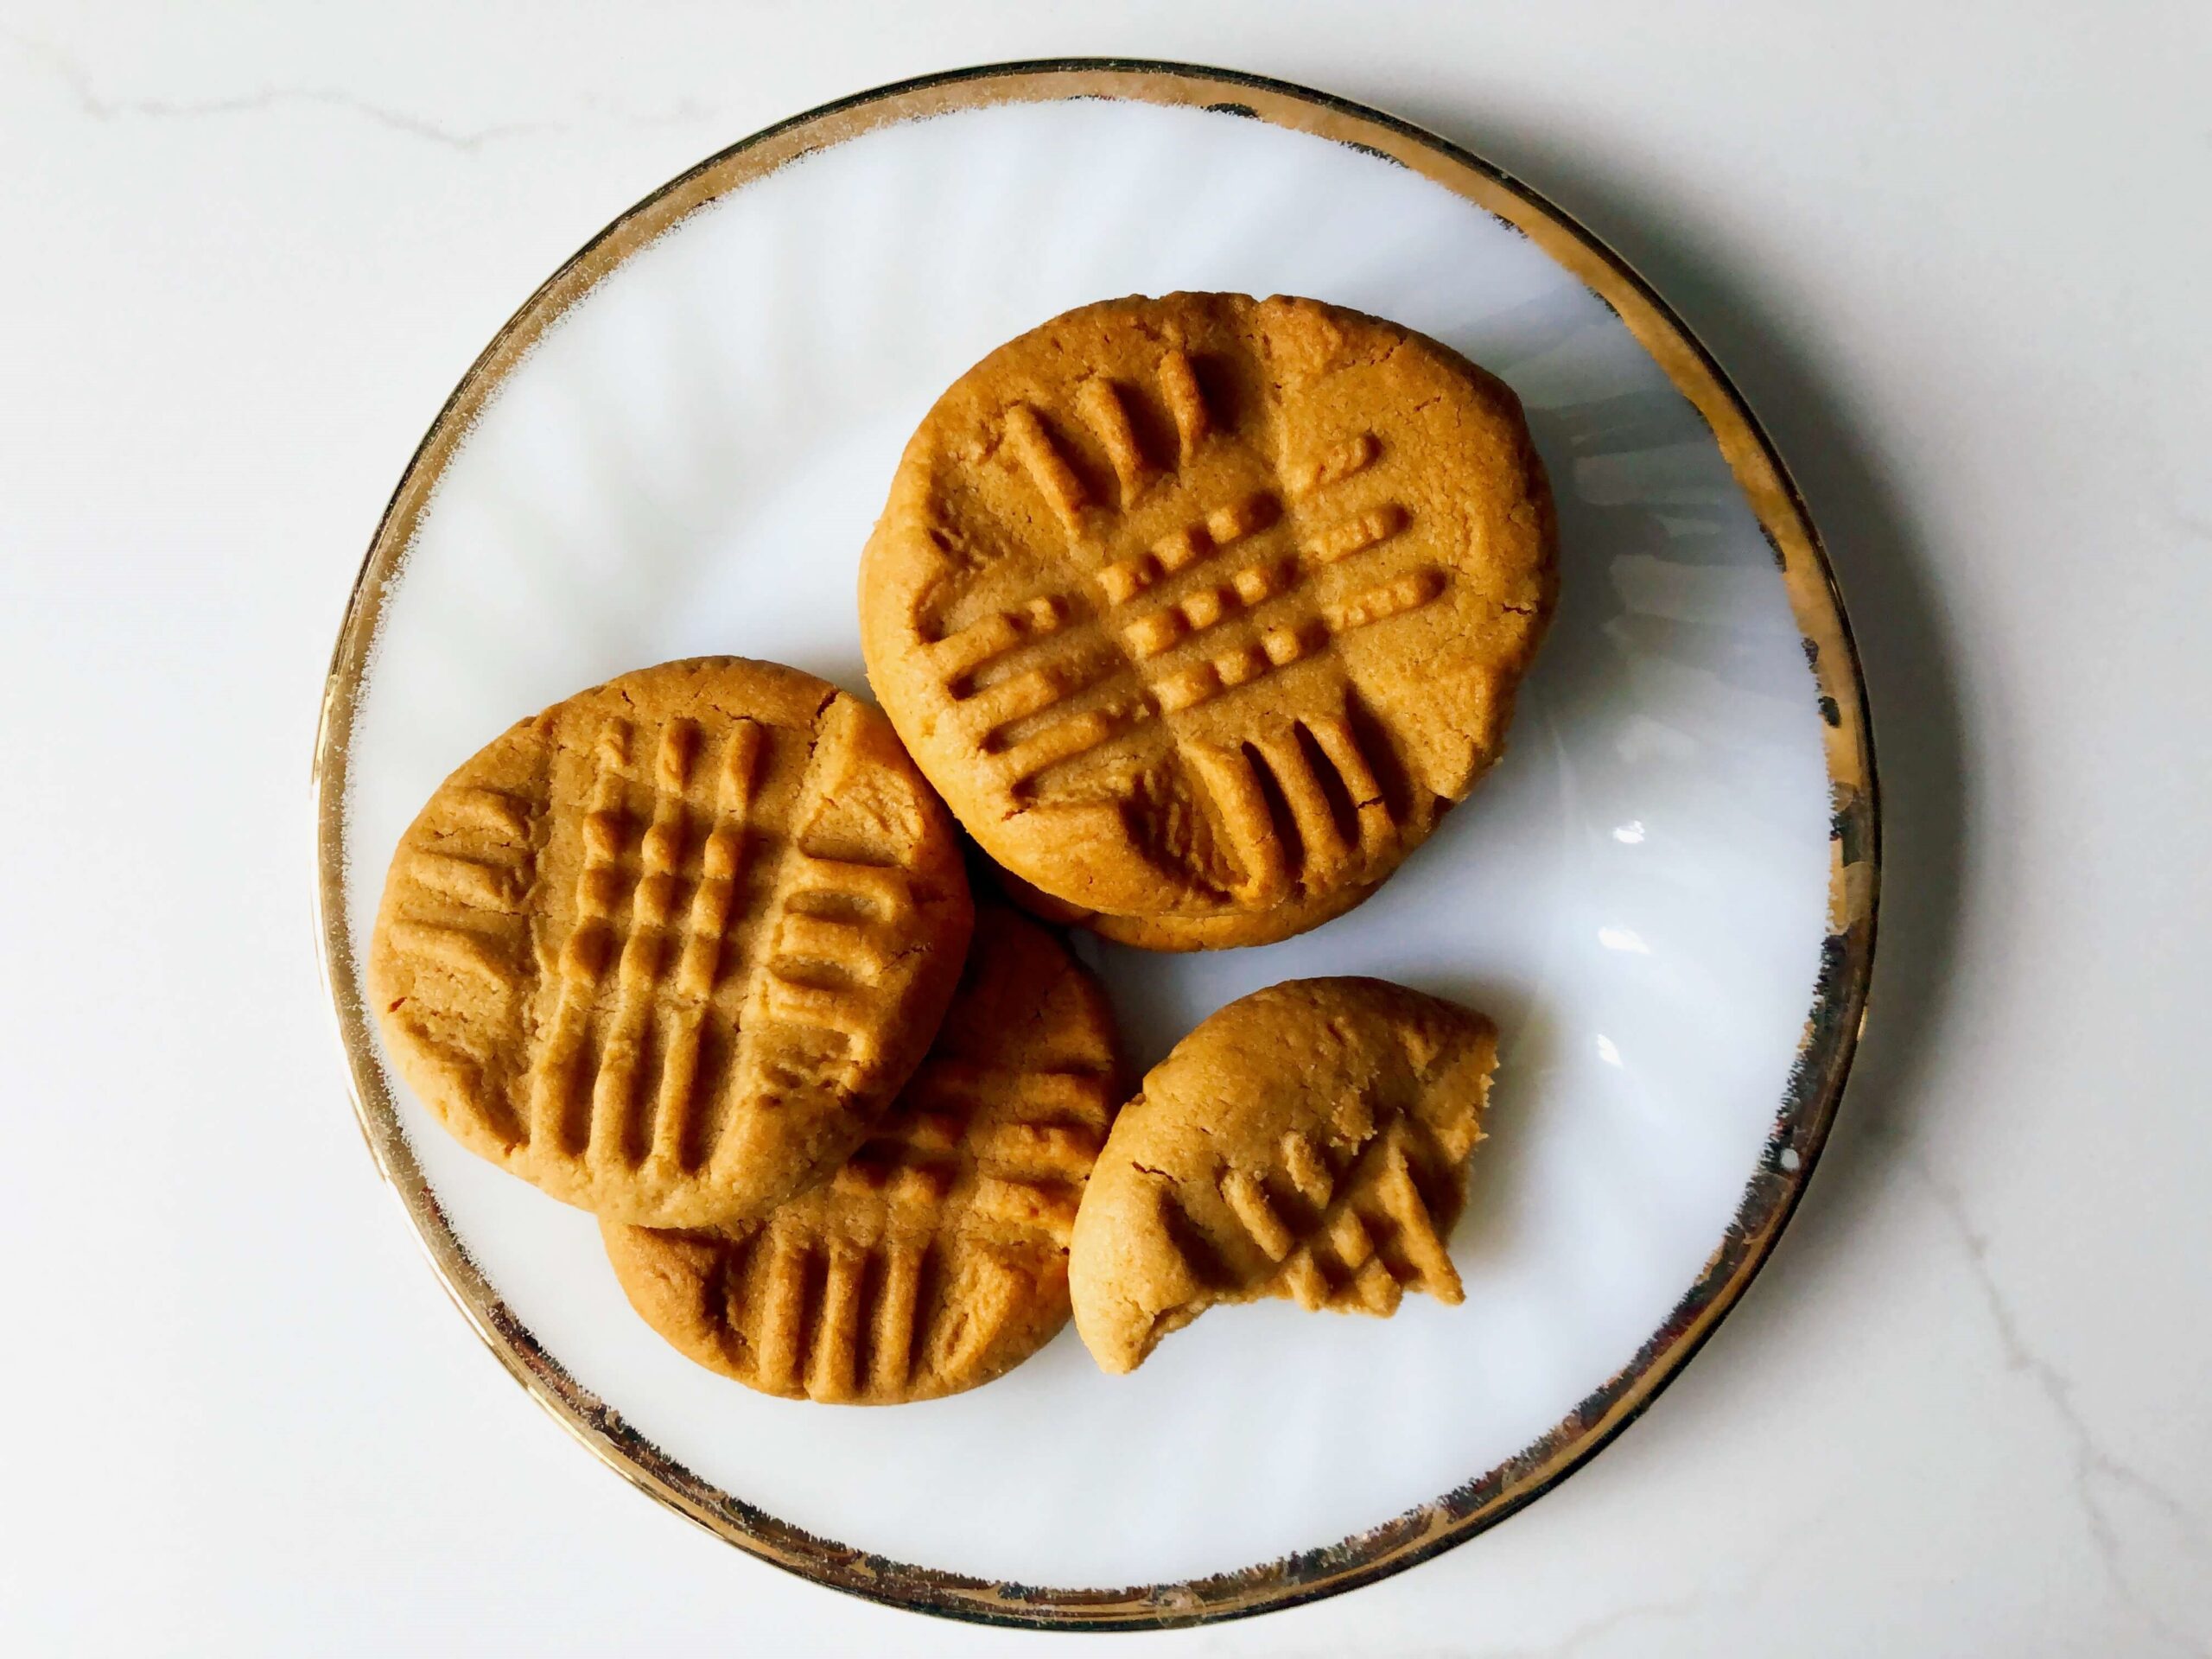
[{"x": 1665, "y": 893}]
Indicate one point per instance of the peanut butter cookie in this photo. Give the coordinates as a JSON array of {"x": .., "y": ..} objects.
[
  {"x": 1308, "y": 1140},
  {"x": 936, "y": 1258},
  {"x": 1204, "y": 606},
  {"x": 668, "y": 949}
]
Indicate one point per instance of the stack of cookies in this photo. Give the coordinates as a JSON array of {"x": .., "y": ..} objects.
[{"x": 1195, "y": 614}]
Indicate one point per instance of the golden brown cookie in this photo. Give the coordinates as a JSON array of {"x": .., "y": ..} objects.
[
  {"x": 936, "y": 1258},
  {"x": 668, "y": 949},
  {"x": 1202, "y": 606},
  {"x": 1172, "y": 933},
  {"x": 1308, "y": 1140}
]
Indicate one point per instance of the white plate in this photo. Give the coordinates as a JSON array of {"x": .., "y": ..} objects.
[{"x": 1664, "y": 893}]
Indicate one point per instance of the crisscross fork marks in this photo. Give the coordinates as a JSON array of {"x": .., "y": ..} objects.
[
  {"x": 559, "y": 1095},
  {"x": 1300, "y": 630},
  {"x": 1073, "y": 666},
  {"x": 1031, "y": 1138},
  {"x": 835, "y": 934},
  {"x": 1340, "y": 1262},
  {"x": 839, "y": 1319},
  {"x": 1148, "y": 634},
  {"x": 1010, "y": 717},
  {"x": 698, "y": 968},
  {"x": 815, "y": 1010},
  {"x": 1298, "y": 804},
  {"x": 590, "y": 1098},
  {"x": 469, "y": 864},
  {"x": 616, "y": 1136},
  {"x": 461, "y": 880}
]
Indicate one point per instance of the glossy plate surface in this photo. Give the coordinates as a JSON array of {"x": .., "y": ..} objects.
[{"x": 1665, "y": 893}]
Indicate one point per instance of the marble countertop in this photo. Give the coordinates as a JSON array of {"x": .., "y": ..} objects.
[{"x": 1955, "y": 261}]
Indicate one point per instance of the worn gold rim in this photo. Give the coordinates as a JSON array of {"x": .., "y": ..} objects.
[{"x": 1803, "y": 1115}]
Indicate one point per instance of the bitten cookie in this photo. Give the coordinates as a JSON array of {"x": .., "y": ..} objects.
[
  {"x": 936, "y": 1258},
  {"x": 668, "y": 949},
  {"x": 1205, "y": 606},
  {"x": 1308, "y": 1140}
]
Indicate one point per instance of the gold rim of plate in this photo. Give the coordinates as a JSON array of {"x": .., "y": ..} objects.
[{"x": 1803, "y": 1114}]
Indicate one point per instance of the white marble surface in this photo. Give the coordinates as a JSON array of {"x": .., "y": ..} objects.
[{"x": 1956, "y": 263}]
